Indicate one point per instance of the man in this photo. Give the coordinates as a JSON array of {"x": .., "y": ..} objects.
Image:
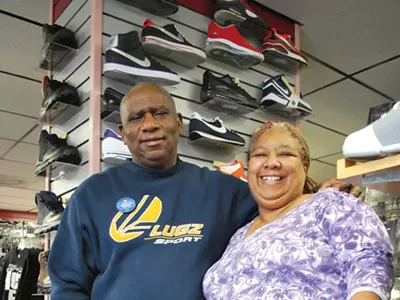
[{"x": 148, "y": 229}]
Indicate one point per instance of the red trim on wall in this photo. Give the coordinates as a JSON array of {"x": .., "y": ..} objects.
[
  {"x": 207, "y": 7},
  {"x": 59, "y": 7},
  {"x": 13, "y": 215}
]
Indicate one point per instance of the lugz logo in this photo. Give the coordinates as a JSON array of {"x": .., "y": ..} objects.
[{"x": 141, "y": 221}]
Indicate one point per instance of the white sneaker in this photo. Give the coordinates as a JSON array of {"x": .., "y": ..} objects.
[
  {"x": 378, "y": 139},
  {"x": 114, "y": 151}
]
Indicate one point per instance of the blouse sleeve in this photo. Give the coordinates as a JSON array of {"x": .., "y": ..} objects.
[{"x": 360, "y": 243}]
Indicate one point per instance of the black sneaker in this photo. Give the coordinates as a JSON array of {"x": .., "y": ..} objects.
[
  {"x": 57, "y": 41},
  {"x": 168, "y": 42},
  {"x": 111, "y": 102},
  {"x": 50, "y": 211},
  {"x": 238, "y": 12},
  {"x": 126, "y": 61},
  {"x": 212, "y": 129},
  {"x": 52, "y": 148},
  {"x": 224, "y": 92},
  {"x": 54, "y": 91},
  {"x": 155, "y": 7},
  {"x": 279, "y": 97}
]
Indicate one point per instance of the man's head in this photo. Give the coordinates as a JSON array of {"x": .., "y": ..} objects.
[{"x": 151, "y": 126}]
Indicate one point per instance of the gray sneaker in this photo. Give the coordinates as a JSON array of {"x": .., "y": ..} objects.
[
  {"x": 50, "y": 211},
  {"x": 381, "y": 138}
]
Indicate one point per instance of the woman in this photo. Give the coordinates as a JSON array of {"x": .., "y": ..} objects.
[{"x": 327, "y": 245}]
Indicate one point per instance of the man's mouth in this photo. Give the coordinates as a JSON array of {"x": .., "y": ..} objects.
[{"x": 152, "y": 141}]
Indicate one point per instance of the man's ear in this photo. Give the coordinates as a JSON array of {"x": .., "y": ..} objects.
[
  {"x": 122, "y": 132},
  {"x": 179, "y": 120}
]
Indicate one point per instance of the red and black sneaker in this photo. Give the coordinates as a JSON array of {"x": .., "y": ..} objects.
[
  {"x": 228, "y": 45},
  {"x": 238, "y": 12},
  {"x": 277, "y": 44},
  {"x": 167, "y": 42}
]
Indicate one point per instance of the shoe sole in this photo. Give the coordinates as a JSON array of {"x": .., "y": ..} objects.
[
  {"x": 146, "y": 5},
  {"x": 68, "y": 155},
  {"x": 46, "y": 228},
  {"x": 229, "y": 52},
  {"x": 245, "y": 26},
  {"x": 195, "y": 135},
  {"x": 280, "y": 108},
  {"x": 278, "y": 54},
  {"x": 62, "y": 95},
  {"x": 181, "y": 54},
  {"x": 129, "y": 74},
  {"x": 115, "y": 157},
  {"x": 224, "y": 105}
]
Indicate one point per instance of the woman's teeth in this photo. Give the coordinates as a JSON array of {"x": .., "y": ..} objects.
[{"x": 271, "y": 178}]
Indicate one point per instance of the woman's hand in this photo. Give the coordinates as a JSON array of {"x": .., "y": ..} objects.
[{"x": 341, "y": 186}]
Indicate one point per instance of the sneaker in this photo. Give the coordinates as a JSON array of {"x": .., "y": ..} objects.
[
  {"x": 52, "y": 148},
  {"x": 155, "y": 7},
  {"x": 234, "y": 168},
  {"x": 168, "y": 42},
  {"x": 278, "y": 97},
  {"x": 50, "y": 211},
  {"x": 213, "y": 130},
  {"x": 126, "y": 60},
  {"x": 111, "y": 102},
  {"x": 113, "y": 148},
  {"x": 225, "y": 92},
  {"x": 43, "y": 282},
  {"x": 380, "y": 138},
  {"x": 281, "y": 45},
  {"x": 228, "y": 45},
  {"x": 56, "y": 39},
  {"x": 54, "y": 91},
  {"x": 238, "y": 12}
]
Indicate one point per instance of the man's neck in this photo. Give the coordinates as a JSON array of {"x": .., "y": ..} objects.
[{"x": 156, "y": 165}]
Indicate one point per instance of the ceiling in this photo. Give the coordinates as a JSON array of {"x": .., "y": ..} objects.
[{"x": 352, "y": 46}]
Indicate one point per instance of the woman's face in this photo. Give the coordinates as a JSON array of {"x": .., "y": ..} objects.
[{"x": 276, "y": 174}]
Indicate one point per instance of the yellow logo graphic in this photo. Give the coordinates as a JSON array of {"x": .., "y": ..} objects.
[
  {"x": 125, "y": 232},
  {"x": 135, "y": 225}
]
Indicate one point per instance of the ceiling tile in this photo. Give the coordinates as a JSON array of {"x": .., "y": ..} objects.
[
  {"x": 33, "y": 137},
  {"x": 17, "y": 175},
  {"x": 38, "y": 185},
  {"x": 5, "y": 145},
  {"x": 321, "y": 172},
  {"x": 23, "y": 152},
  {"x": 14, "y": 54},
  {"x": 26, "y": 100},
  {"x": 17, "y": 201},
  {"x": 349, "y": 35},
  {"x": 315, "y": 76},
  {"x": 384, "y": 78},
  {"x": 321, "y": 141},
  {"x": 14, "y": 126},
  {"x": 37, "y": 10},
  {"x": 332, "y": 159},
  {"x": 344, "y": 106}
]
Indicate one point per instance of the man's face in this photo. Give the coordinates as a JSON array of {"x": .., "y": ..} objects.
[{"x": 151, "y": 128}]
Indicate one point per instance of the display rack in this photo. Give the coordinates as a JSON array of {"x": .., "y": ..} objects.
[
  {"x": 58, "y": 114},
  {"x": 58, "y": 169},
  {"x": 112, "y": 117},
  {"x": 381, "y": 174},
  {"x": 115, "y": 160},
  {"x": 53, "y": 54},
  {"x": 218, "y": 145},
  {"x": 227, "y": 106}
]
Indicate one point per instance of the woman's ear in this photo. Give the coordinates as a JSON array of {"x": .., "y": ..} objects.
[{"x": 306, "y": 167}]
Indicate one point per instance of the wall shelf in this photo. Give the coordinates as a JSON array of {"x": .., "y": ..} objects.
[{"x": 381, "y": 174}]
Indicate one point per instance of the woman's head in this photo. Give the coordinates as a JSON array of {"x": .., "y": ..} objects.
[{"x": 279, "y": 159}]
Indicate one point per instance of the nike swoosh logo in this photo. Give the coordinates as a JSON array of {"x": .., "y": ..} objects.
[
  {"x": 144, "y": 63},
  {"x": 175, "y": 37},
  {"x": 286, "y": 92},
  {"x": 221, "y": 129}
]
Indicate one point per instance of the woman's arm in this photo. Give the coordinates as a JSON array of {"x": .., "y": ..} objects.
[{"x": 360, "y": 243}]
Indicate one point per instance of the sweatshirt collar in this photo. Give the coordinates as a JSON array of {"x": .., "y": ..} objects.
[{"x": 154, "y": 173}]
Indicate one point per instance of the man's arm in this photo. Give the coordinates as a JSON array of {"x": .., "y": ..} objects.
[
  {"x": 71, "y": 263},
  {"x": 246, "y": 208},
  {"x": 341, "y": 186}
]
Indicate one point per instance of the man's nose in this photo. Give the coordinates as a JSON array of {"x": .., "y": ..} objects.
[{"x": 149, "y": 123}]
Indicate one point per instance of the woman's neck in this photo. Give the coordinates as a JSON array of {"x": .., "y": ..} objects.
[{"x": 267, "y": 216}]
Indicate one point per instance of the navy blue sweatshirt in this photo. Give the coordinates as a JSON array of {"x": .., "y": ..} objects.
[{"x": 134, "y": 233}]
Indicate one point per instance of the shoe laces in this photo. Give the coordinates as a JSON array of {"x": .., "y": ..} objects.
[
  {"x": 55, "y": 206},
  {"x": 177, "y": 30}
]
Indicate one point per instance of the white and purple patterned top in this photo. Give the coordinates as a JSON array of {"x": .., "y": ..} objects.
[{"x": 329, "y": 247}]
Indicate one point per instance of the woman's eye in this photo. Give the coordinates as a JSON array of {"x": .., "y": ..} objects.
[
  {"x": 258, "y": 154},
  {"x": 286, "y": 154}
]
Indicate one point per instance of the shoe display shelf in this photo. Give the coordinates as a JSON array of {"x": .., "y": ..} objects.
[
  {"x": 284, "y": 64},
  {"x": 58, "y": 114},
  {"x": 218, "y": 146},
  {"x": 381, "y": 174},
  {"x": 227, "y": 107},
  {"x": 111, "y": 116},
  {"x": 52, "y": 54},
  {"x": 58, "y": 170}
]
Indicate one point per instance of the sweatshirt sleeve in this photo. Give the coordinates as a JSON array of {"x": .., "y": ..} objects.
[
  {"x": 246, "y": 208},
  {"x": 71, "y": 262},
  {"x": 360, "y": 243}
]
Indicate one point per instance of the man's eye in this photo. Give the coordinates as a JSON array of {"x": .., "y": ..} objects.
[
  {"x": 161, "y": 113},
  {"x": 134, "y": 118}
]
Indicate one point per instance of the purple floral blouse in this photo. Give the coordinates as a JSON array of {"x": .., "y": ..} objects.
[{"x": 329, "y": 247}]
